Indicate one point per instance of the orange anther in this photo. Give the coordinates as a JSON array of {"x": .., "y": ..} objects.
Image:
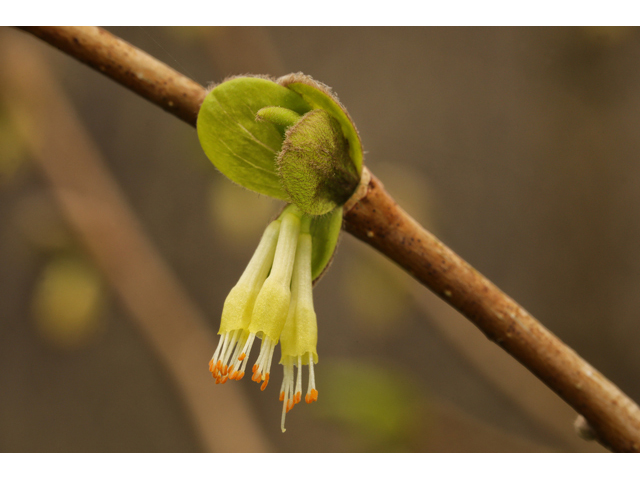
[
  {"x": 255, "y": 367},
  {"x": 211, "y": 365},
  {"x": 239, "y": 375},
  {"x": 311, "y": 396},
  {"x": 224, "y": 379},
  {"x": 281, "y": 397},
  {"x": 290, "y": 405},
  {"x": 256, "y": 377},
  {"x": 242, "y": 357},
  {"x": 264, "y": 385},
  {"x": 233, "y": 375},
  {"x": 225, "y": 368},
  {"x": 297, "y": 396}
]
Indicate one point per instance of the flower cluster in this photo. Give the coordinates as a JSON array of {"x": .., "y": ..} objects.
[
  {"x": 273, "y": 301},
  {"x": 293, "y": 140}
]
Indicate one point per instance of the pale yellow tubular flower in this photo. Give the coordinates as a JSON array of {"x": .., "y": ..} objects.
[
  {"x": 299, "y": 337},
  {"x": 238, "y": 307},
  {"x": 272, "y": 304}
]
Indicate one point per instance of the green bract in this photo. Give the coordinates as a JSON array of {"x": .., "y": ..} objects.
[
  {"x": 314, "y": 164},
  {"x": 325, "y": 231},
  {"x": 240, "y": 147},
  {"x": 290, "y": 139},
  {"x": 320, "y": 97}
]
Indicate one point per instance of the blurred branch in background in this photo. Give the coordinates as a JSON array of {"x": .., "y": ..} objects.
[
  {"x": 98, "y": 213},
  {"x": 378, "y": 220}
]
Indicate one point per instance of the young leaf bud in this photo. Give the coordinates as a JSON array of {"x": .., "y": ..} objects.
[
  {"x": 278, "y": 115},
  {"x": 314, "y": 164}
]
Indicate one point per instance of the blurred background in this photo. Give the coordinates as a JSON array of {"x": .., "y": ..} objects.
[{"x": 518, "y": 147}]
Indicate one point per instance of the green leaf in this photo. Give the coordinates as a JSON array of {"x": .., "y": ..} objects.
[
  {"x": 240, "y": 147},
  {"x": 325, "y": 231}
]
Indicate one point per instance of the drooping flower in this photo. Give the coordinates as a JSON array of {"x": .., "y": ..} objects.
[
  {"x": 258, "y": 305},
  {"x": 277, "y": 307},
  {"x": 238, "y": 308},
  {"x": 300, "y": 335}
]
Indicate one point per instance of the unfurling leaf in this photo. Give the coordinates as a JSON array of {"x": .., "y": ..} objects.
[{"x": 243, "y": 149}]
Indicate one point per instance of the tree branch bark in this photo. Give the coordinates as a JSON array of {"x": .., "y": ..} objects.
[
  {"x": 376, "y": 219},
  {"x": 129, "y": 66}
]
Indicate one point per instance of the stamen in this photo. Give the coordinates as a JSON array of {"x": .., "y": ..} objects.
[
  {"x": 273, "y": 347},
  {"x": 220, "y": 342},
  {"x": 246, "y": 349},
  {"x": 218, "y": 366},
  {"x": 284, "y": 414},
  {"x": 215, "y": 363},
  {"x": 286, "y": 391},
  {"x": 298, "y": 394},
  {"x": 265, "y": 348},
  {"x": 265, "y": 383},
  {"x": 238, "y": 342},
  {"x": 243, "y": 365},
  {"x": 233, "y": 344},
  {"x": 262, "y": 367},
  {"x": 312, "y": 393},
  {"x": 227, "y": 337}
]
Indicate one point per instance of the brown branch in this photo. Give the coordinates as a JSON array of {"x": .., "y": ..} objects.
[
  {"x": 133, "y": 68},
  {"x": 380, "y": 222},
  {"x": 377, "y": 220},
  {"x": 503, "y": 373}
]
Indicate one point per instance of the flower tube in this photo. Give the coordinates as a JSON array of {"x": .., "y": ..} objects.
[
  {"x": 238, "y": 307},
  {"x": 300, "y": 334}
]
